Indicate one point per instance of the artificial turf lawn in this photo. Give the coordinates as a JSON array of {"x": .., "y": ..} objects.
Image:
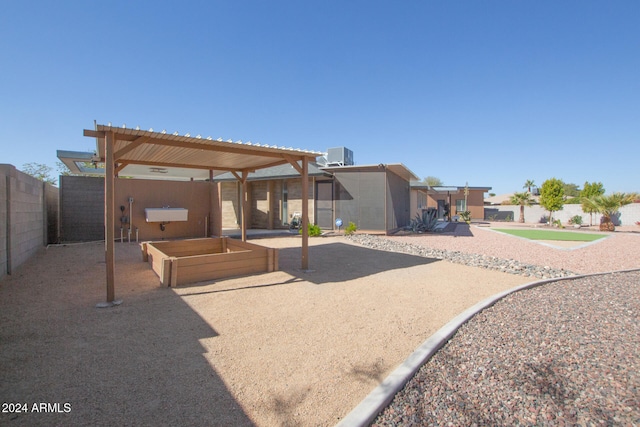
[{"x": 552, "y": 235}]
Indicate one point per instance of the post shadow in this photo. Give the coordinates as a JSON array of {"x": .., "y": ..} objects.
[{"x": 141, "y": 363}]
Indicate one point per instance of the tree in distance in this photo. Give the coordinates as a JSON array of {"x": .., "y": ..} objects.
[
  {"x": 432, "y": 181},
  {"x": 523, "y": 199},
  {"x": 552, "y": 196}
]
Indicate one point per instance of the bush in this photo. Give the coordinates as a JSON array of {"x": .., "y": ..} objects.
[
  {"x": 314, "y": 230},
  {"x": 350, "y": 229},
  {"x": 575, "y": 220}
]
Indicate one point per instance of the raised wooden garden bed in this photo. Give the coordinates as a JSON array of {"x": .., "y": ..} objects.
[{"x": 179, "y": 262}]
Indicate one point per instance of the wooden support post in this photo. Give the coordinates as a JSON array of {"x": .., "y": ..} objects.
[
  {"x": 244, "y": 205},
  {"x": 145, "y": 252},
  {"x": 270, "y": 204},
  {"x": 305, "y": 213},
  {"x": 109, "y": 222}
]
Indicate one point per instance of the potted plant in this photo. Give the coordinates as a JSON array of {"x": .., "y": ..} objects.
[{"x": 466, "y": 216}]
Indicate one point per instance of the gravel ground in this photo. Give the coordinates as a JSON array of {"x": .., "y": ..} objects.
[
  {"x": 617, "y": 251},
  {"x": 287, "y": 348},
  {"x": 565, "y": 353}
]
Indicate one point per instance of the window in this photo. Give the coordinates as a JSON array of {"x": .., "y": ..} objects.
[
  {"x": 422, "y": 200},
  {"x": 461, "y": 206}
]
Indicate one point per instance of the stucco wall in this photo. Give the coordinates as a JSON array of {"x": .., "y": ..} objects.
[
  {"x": 230, "y": 204},
  {"x": 196, "y": 196},
  {"x": 24, "y": 216},
  {"x": 82, "y": 208}
]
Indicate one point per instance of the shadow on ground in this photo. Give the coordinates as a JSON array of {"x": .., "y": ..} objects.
[
  {"x": 340, "y": 262},
  {"x": 139, "y": 363}
]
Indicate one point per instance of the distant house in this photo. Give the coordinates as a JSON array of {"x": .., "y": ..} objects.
[
  {"x": 448, "y": 201},
  {"x": 375, "y": 197}
]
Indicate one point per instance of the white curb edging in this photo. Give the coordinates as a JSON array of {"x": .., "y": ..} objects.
[{"x": 382, "y": 395}]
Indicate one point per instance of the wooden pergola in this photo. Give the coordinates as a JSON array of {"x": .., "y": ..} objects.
[{"x": 118, "y": 147}]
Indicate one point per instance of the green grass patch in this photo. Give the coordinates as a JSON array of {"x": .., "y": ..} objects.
[{"x": 552, "y": 235}]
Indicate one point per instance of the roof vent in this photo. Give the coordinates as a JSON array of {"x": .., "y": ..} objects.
[{"x": 340, "y": 156}]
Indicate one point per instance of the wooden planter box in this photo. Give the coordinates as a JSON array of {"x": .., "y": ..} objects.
[{"x": 187, "y": 261}]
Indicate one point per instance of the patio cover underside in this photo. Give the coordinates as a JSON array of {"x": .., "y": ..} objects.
[{"x": 119, "y": 147}]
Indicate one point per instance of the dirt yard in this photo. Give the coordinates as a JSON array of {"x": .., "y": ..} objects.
[
  {"x": 290, "y": 347},
  {"x": 283, "y": 348}
]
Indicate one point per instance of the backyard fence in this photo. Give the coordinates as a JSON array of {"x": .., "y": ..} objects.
[
  {"x": 627, "y": 215},
  {"x": 28, "y": 217}
]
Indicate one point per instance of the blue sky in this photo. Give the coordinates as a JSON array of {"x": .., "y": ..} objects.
[{"x": 486, "y": 92}]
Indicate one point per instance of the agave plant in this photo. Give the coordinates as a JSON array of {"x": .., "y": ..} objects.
[
  {"x": 608, "y": 206},
  {"x": 426, "y": 222}
]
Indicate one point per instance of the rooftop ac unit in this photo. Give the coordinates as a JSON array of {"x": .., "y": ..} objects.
[{"x": 340, "y": 156}]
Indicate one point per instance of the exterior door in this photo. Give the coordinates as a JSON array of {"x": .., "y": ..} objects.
[{"x": 324, "y": 204}]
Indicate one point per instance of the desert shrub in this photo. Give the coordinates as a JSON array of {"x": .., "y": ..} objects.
[
  {"x": 350, "y": 229},
  {"x": 576, "y": 219},
  {"x": 314, "y": 230}
]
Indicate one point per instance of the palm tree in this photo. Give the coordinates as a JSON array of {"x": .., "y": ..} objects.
[
  {"x": 523, "y": 199},
  {"x": 528, "y": 184},
  {"x": 608, "y": 206}
]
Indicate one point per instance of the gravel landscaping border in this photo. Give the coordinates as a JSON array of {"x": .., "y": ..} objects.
[
  {"x": 570, "y": 361},
  {"x": 401, "y": 399},
  {"x": 510, "y": 266},
  {"x": 557, "y": 351}
]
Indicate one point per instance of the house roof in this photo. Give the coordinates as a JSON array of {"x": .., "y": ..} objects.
[
  {"x": 445, "y": 188},
  {"x": 275, "y": 172},
  {"x": 397, "y": 168},
  {"x": 184, "y": 154},
  {"x": 315, "y": 169}
]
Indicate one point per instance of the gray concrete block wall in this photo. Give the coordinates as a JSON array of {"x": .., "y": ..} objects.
[
  {"x": 4, "y": 202},
  {"x": 81, "y": 208},
  {"x": 24, "y": 217}
]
